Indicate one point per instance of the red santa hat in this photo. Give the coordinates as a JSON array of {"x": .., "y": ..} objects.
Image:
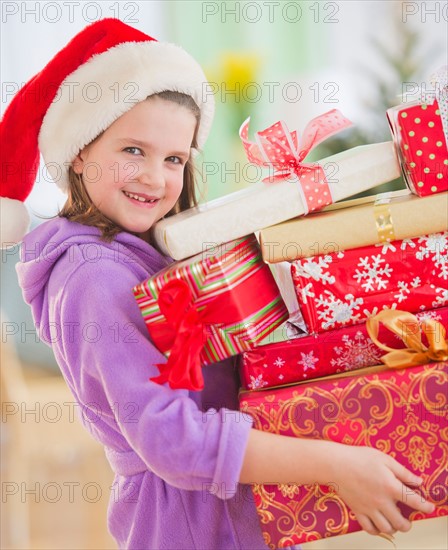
[{"x": 98, "y": 76}]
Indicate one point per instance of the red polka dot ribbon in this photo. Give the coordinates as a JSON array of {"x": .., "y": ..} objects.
[{"x": 278, "y": 148}]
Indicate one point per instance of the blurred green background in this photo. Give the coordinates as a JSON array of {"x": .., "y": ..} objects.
[{"x": 296, "y": 60}]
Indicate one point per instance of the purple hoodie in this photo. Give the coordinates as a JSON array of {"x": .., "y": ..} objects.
[{"x": 176, "y": 455}]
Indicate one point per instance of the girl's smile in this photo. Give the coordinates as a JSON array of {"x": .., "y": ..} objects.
[
  {"x": 134, "y": 171},
  {"x": 142, "y": 199}
]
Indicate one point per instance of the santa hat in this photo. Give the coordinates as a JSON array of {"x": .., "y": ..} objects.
[{"x": 98, "y": 76}]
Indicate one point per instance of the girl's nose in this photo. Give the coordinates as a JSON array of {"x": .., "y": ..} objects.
[{"x": 151, "y": 174}]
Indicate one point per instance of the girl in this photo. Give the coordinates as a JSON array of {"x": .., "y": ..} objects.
[{"x": 182, "y": 460}]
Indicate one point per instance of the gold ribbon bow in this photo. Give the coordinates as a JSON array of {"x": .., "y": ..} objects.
[{"x": 409, "y": 329}]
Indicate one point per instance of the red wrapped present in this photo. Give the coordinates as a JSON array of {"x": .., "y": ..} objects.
[
  {"x": 400, "y": 411},
  {"x": 348, "y": 287},
  {"x": 210, "y": 307},
  {"x": 319, "y": 355},
  {"x": 420, "y": 131}
]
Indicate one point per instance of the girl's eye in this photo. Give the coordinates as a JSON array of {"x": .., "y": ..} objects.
[
  {"x": 133, "y": 150},
  {"x": 175, "y": 160}
]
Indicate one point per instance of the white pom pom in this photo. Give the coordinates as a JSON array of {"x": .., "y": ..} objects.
[{"x": 14, "y": 223}]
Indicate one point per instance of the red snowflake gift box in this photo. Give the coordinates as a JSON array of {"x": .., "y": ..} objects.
[
  {"x": 209, "y": 307},
  {"x": 319, "y": 355},
  {"x": 348, "y": 287},
  {"x": 420, "y": 131},
  {"x": 399, "y": 411}
]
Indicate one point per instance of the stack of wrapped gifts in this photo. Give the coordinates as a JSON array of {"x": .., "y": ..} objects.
[
  {"x": 367, "y": 282},
  {"x": 335, "y": 389}
]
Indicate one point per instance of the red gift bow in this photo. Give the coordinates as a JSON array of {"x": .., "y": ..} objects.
[
  {"x": 182, "y": 370},
  {"x": 184, "y": 332},
  {"x": 279, "y": 147}
]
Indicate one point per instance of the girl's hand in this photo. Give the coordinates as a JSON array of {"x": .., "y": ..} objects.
[
  {"x": 371, "y": 483},
  {"x": 368, "y": 481}
]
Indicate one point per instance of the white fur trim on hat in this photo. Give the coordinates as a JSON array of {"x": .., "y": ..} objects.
[
  {"x": 108, "y": 85},
  {"x": 15, "y": 221}
]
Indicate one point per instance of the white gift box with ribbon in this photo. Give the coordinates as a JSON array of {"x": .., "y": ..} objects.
[{"x": 281, "y": 196}]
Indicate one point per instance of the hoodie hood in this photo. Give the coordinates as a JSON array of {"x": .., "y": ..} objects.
[{"x": 46, "y": 245}]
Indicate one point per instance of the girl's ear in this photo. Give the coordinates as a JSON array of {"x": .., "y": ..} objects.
[{"x": 78, "y": 163}]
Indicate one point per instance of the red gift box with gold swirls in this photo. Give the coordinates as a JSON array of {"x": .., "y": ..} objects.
[
  {"x": 421, "y": 146},
  {"x": 402, "y": 412}
]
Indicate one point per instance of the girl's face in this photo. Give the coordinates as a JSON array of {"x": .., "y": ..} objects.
[{"x": 134, "y": 171}]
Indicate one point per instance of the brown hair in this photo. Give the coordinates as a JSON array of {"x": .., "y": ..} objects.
[{"x": 80, "y": 208}]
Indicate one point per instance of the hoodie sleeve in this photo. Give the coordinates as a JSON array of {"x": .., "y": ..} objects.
[{"x": 110, "y": 358}]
